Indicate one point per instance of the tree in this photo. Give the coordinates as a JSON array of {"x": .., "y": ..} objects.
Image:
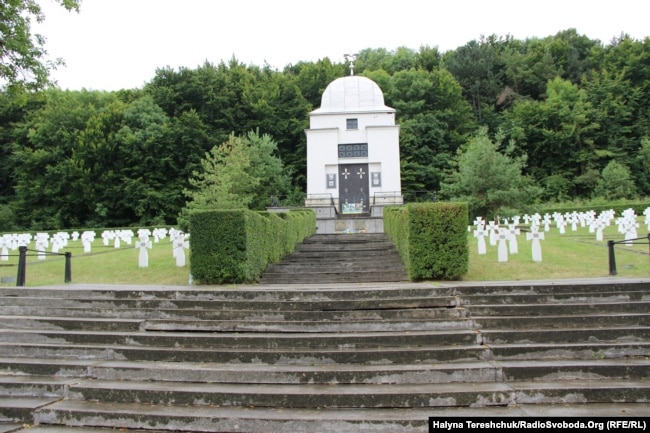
[
  {"x": 615, "y": 183},
  {"x": 240, "y": 173},
  {"x": 557, "y": 134},
  {"x": 641, "y": 167},
  {"x": 150, "y": 188},
  {"x": 51, "y": 178},
  {"x": 22, "y": 63},
  {"x": 529, "y": 66},
  {"x": 488, "y": 180},
  {"x": 435, "y": 120},
  {"x": 479, "y": 69},
  {"x": 615, "y": 101}
]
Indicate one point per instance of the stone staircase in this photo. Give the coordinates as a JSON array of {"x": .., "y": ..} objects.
[
  {"x": 339, "y": 258},
  {"x": 367, "y": 357}
]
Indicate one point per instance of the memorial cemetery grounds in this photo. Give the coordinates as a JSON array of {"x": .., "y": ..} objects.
[{"x": 572, "y": 251}]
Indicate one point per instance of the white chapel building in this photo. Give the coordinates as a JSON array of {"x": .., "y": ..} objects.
[{"x": 353, "y": 159}]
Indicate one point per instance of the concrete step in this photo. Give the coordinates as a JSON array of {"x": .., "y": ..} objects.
[
  {"x": 15, "y": 386},
  {"x": 244, "y": 340},
  {"x": 318, "y": 264},
  {"x": 408, "y": 313},
  {"x": 69, "y": 323},
  {"x": 70, "y": 429},
  {"x": 539, "y": 309},
  {"x": 505, "y": 292},
  {"x": 208, "y": 419},
  {"x": 17, "y": 369},
  {"x": 211, "y": 372},
  {"x": 237, "y": 355},
  {"x": 566, "y": 351},
  {"x": 325, "y": 340},
  {"x": 637, "y": 369},
  {"x": 565, "y": 335},
  {"x": 598, "y": 297},
  {"x": 97, "y": 294},
  {"x": 307, "y": 326},
  {"x": 332, "y": 276},
  {"x": 365, "y": 395},
  {"x": 578, "y": 287},
  {"x": 10, "y": 426},
  {"x": 566, "y": 321},
  {"x": 351, "y": 239},
  {"x": 315, "y": 304},
  {"x": 61, "y": 368},
  {"x": 15, "y": 411}
]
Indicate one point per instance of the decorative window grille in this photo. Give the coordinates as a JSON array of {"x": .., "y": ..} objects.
[{"x": 359, "y": 150}]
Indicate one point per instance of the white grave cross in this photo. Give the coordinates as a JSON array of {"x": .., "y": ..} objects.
[
  {"x": 560, "y": 223},
  {"x": 480, "y": 233},
  {"x": 58, "y": 242},
  {"x": 628, "y": 225},
  {"x": 492, "y": 229},
  {"x": 503, "y": 236},
  {"x": 180, "y": 243},
  {"x": 87, "y": 239},
  {"x": 535, "y": 236},
  {"x": 159, "y": 233},
  {"x": 107, "y": 236},
  {"x": 547, "y": 222},
  {"x": 573, "y": 219},
  {"x": 41, "y": 244},
  {"x": 5, "y": 242},
  {"x": 143, "y": 243},
  {"x": 598, "y": 225},
  {"x": 512, "y": 244}
]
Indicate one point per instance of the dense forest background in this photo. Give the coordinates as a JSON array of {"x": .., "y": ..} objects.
[{"x": 570, "y": 112}]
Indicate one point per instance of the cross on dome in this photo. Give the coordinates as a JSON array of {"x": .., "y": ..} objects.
[{"x": 351, "y": 58}]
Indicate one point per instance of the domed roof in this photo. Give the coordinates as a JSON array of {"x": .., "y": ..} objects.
[{"x": 352, "y": 94}]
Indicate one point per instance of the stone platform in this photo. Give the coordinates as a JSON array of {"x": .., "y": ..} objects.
[{"x": 347, "y": 357}]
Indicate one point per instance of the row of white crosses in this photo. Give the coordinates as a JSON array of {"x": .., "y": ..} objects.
[
  {"x": 42, "y": 242},
  {"x": 180, "y": 241},
  {"x": 13, "y": 242},
  {"x": 505, "y": 236},
  {"x": 59, "y": 240},
  {"x": 117, "y": 237}
]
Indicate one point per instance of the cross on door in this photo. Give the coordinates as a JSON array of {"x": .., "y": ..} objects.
[
  {"x": 345, "y": 173},
  {"x": 361, "y": 173}
]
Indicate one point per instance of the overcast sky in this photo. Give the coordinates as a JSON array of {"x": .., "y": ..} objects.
[{"x": 119, "y": 44}]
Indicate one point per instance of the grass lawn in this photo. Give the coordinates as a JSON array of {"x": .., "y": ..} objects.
[{"x": 574, "y": 254}]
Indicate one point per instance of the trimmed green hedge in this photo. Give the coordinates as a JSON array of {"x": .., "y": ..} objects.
[
  {"x": 235, "y": 246},
  {"x": 431, "y": 238}
]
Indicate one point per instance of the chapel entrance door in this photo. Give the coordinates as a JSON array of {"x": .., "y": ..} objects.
[{"x": 353, "y": 188}]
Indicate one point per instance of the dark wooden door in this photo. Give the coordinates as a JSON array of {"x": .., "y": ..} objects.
[{"x": 353, "y": 188}]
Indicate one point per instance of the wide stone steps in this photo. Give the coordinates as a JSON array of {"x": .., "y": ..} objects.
[
  {"x": 351, "y": 258},
  {"x": 373, "y": 357},
  {"x": 383, "y": 420}
]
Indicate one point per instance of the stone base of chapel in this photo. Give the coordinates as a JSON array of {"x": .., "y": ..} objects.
[{"x": 329, "y": 221}]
